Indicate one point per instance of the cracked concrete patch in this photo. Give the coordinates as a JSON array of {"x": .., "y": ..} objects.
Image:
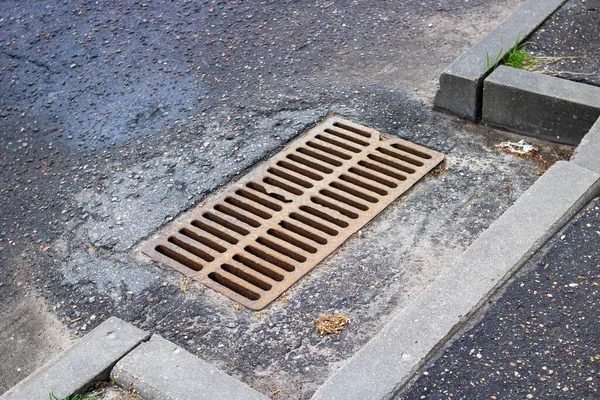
[{"x": 151, "y": 193}]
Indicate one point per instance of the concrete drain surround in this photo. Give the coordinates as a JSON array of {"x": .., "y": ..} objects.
[{"x": 261, "y": 234}]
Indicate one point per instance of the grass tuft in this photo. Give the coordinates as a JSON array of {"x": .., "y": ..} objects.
[{"x": 517, "y": 57}]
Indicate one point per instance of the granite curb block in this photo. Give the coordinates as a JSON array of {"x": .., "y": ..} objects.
[
  {"x": 88, "y": 360},
  {"x": 587, "y": 154},
  {"x": 540, "y": 105},
  {"x": 461, "y": 84},
  {"x": 385, "y": 363},
  {"x": 160, "y": 370}
]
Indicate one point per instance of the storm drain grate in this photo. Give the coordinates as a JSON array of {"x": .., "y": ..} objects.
[{"x": 263, "y": 233}]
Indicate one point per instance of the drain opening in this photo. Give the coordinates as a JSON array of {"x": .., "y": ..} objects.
[
  {"x": 256, "y": 238},
  {"x": 258, "y": 268},
  {"x": 231, "y": 285},
  {"x": 352, "y": 129}
]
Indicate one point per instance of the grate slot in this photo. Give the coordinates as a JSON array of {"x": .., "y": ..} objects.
[
  {"x": 194, "y": 235},
  {"x": 313, "y": 224},
  {"x": 412, "y": 151},
  {"x": 247, "y": 276},
  {"x": 390, "y": 163},
  {"x": 270, "y": 258},
  {"x": 290, "y": 177},
  {"x": 328, "y": 150},
  {"x": 214, "y": 231},
  {"x": 247, "y": 207},
  {"x": 291, "y": 240},
  {"x": 258, "y": 267},
  {"x": 275, "y": 193},
  {"x": 364, "y": 185},
  {"x": 335, "y": 195},
  {"x": 303, "y": 232},
  {"x": 226, "y": 224},
  {"x": 190, "y": 248},
  {"x": 189, "y": 262},
  {"x": 240, "y": 217},
  {"x": 233, "y": 286},
  {"x": 324, "y": 216},
  {"x": 337, "y": 143},
  {"x": 373, "y": 176},
  {"x": 347, "y": 137},
  {"x": 255, "y": 238},
  {"x": 311, "y": 164},
  {"x": 281, "y": 249},
  {"x": 318, "y": 156},
  {"x": 298, "y": 170},
  {"x": 381, "y": 170},
  {"x": 278, "y": 184},
  {"x": 352, "y": 192},
  {"x": 327, "y": 204},
  {"x": 258, "y": 199},
  {"x": 322, "y": 222},
  {"x": 399, "y": 156},
  {"x": 352, "y": 129}
]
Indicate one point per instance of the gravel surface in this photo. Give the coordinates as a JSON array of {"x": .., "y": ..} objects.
[
  {"x": 573, "y": 35},
  {"x": 539, "y": 340}
]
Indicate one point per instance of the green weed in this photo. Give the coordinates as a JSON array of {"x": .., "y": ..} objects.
[
  {"x": 519, "y": 58},
  {"x": 516, "y": 57},
  {"x": 488, "y": 62}
]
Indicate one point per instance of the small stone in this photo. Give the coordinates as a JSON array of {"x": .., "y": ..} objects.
[{"x": 92, "y": 299}]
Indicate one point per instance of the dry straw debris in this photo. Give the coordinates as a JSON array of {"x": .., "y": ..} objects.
[{"x": 331, "y": 324}]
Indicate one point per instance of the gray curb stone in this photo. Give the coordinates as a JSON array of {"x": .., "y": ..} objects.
[
  {"x": 540, "y": 105},
  {"x": 90, "y": 359},
  {"x": 160, "y": 370},
  {"x": 461, "y": 84},
  {"x": 587, "y": 153},
  {"x": 398, "y": 350}
]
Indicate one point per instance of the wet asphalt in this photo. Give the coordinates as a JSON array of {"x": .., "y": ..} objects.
[
  {"x": 541, "y": 337},
  {"x": 115, "y": 117}
]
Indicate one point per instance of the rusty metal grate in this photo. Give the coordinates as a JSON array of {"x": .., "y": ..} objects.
[{"x": 263, "y": 233}]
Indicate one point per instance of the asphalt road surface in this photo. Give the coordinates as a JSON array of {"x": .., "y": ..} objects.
[
  {"x": 540, "y": 338},
  {"x": 116, "y": 117}
]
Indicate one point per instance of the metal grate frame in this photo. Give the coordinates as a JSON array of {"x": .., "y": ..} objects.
[{"x": 261, "y": 234}]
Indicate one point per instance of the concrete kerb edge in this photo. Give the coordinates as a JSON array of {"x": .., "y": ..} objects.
[
  {"x": 348, "y": 383},
  {"x": 540, "y": 105},
  {"x": 64, "y": 382},
  {"x": 587, "y": 154},
  {"x": 461, "y": 84},
  {"x": 71, "y": 372}
]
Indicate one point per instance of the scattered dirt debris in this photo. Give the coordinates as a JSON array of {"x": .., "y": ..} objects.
[
  {"x": 526, "y": 150},
  {"x": 442, "y": 169},
  {"x": 111, "y": 391},
  {"x": 521, "y": 148},
  {"x": 331, "y": 324},
  {"x": 184, "y": 285}
]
